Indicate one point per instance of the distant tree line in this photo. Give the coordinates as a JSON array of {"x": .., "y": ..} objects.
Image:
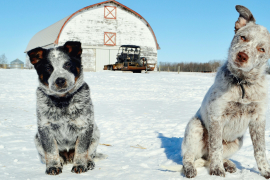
[{"x": 210, "y": 66}]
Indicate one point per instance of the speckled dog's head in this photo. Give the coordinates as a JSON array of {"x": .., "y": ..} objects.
[
  {"x": 58, "y": 68},
  {"x": 250, "y": 47}
]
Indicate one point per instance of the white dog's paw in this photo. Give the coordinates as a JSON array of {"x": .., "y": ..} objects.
[
  {"x": 229, "y": 166},
  {"x": 217, "y": 171},
  {"x": 265, "y": 173},
  {"x": 190, "y": 171}
]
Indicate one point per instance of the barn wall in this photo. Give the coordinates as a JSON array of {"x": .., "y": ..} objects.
[
  {"x": 89, "y": 26},
  {"x": 89, "y": 59}
]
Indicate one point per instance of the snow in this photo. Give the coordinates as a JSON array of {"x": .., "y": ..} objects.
[{"x": 142, "y": 119}]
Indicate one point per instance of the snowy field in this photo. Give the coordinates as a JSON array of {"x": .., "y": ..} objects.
[{"x": 141, "y": 116}]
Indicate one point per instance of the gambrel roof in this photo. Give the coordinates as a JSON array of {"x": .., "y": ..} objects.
[{"x": 49, "y": 36}]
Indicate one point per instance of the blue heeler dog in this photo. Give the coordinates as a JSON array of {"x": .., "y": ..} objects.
[{"x": 67, "y": 132}]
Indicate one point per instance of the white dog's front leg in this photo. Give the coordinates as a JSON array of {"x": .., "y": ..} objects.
[
  {"x": 257, "y": 133},
  {"x": 216, "y": 149}
]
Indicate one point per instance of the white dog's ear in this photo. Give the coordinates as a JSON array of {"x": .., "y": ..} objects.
[{"x": 245, "y": 16}]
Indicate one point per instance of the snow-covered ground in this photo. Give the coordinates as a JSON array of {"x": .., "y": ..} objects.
[{"x": 142, "y": 117}]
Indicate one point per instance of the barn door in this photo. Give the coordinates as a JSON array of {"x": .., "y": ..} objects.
[
  {"x": 113, "y": 54},
  {"x": 102, "y": 58}
]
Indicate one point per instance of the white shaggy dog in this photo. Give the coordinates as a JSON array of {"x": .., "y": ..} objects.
[{"x": 236, "y": 101}]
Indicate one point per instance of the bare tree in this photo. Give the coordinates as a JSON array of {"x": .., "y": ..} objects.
[
  {"x": 214, "y": 64},
  {"x": 3, "y": 60}
]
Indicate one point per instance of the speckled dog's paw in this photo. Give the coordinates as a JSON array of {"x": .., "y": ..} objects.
[
  {"x": 90, "y": 165},
  {"x": 79, "y": 169},
  {"x": 54, "y": 170}
]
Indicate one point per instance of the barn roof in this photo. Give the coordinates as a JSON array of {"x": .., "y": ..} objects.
[{"x": 50, "y": 35}]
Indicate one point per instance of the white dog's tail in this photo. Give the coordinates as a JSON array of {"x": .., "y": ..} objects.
[{"x": 179, "y": 168}]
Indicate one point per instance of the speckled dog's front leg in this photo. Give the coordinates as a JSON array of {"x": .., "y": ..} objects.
[
  {"x": 53, "y": 163},
  {"x": 81, "y": 158},
  {"x": 216, "y": 149},
  {"x": 257, "y": 133}
]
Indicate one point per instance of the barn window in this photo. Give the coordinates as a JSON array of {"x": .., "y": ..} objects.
[
  {"x": 109, "y": 38},
  {"x": 109, "y": 12}
]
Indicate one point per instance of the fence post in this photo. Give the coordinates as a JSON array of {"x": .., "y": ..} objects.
[
  {"x": 168, "y": 69},
  {"x": 178, "y": 69},
  {"x": 159, "y": 67}
]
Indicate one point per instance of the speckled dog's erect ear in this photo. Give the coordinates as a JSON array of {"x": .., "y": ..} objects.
[
  {"x": 73, "y": 48},
  {"x": 36, "y": 55},
  {"x": 245, "y": 16}
]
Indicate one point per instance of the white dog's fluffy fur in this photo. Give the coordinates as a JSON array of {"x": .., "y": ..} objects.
[{"x": 236, "y": 101}]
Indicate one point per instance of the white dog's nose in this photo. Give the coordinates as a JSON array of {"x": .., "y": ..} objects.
[{"x": 242, "y": 57}]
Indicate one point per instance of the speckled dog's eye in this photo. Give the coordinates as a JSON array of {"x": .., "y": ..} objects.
[
  {"x": 243, "y": 38},
  {"x": 49, "y": 69},
  {"x": 67, "y": 65},
  {"x": 261, "y": 50}
]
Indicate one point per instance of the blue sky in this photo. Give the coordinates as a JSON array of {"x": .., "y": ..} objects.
[{"x": 187, "y": 31}]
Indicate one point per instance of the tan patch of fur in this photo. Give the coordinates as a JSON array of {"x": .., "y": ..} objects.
[
  {"x": 68, "y": 156},
  {"x": 41, "y": 78},
  {"x": 69, "y": 48},
  {"x": 83, "y": 156},
  {"x": 36, "y": 56},
  {"x": 54, "y": 156},
  {"x": 79, "y": 72}
]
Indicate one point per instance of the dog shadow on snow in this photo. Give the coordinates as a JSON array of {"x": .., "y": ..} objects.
[{"x": 172, "y": 149}]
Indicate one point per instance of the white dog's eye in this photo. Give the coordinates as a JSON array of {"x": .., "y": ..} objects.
[
  {"x": 261, "y": 50},
  {"x": 243, "y": 38}
]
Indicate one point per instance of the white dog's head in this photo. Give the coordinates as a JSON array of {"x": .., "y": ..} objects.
[{"x": 250, "y": 47}]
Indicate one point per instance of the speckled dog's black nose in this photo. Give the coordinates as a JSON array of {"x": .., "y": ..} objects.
[{"x": 60, "y": 81}]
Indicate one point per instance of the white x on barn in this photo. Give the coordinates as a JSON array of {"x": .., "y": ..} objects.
[{"x": 101, "y": 28}]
